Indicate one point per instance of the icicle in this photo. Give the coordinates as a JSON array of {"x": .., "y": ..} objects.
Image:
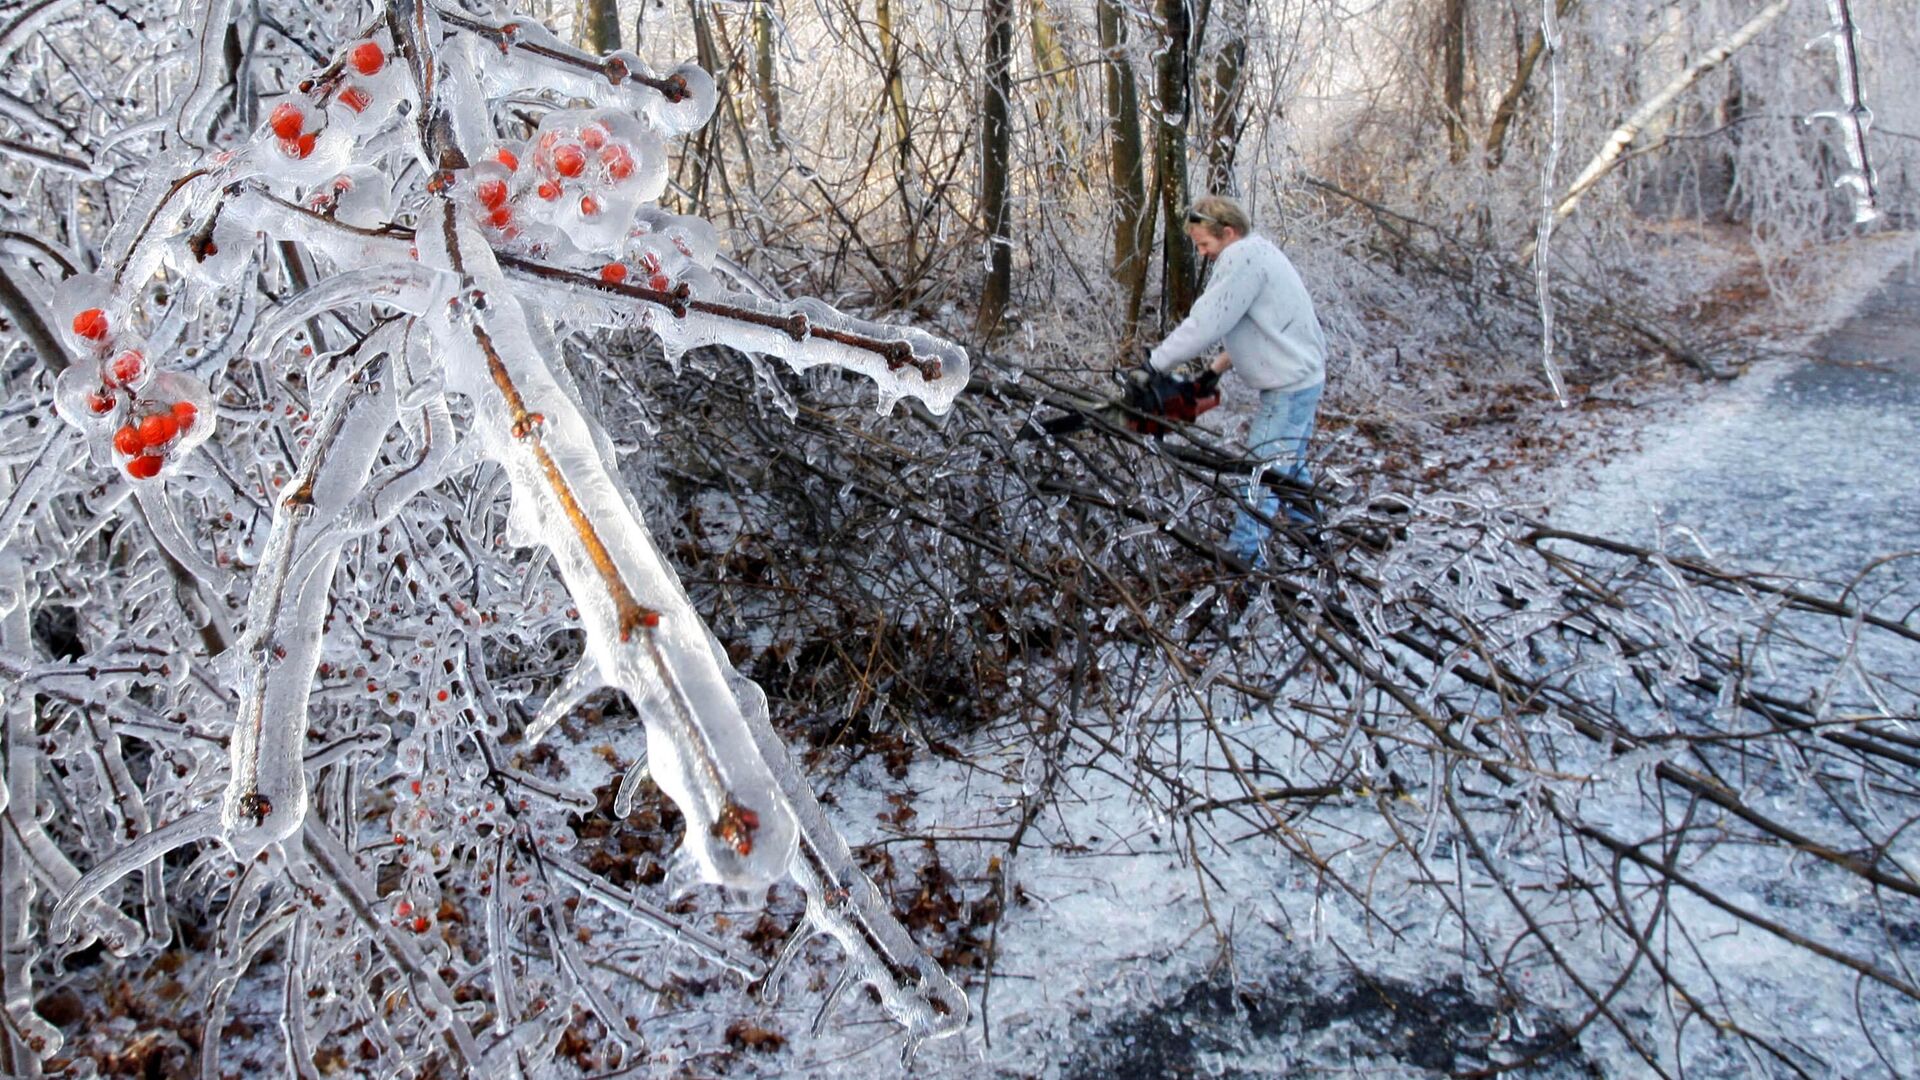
[
  {"x": 770, "y": 982},
  {"x": 500, "y": 944},
  {"x": 293, "y": 999},
  {"x": 839, "y": 990},
  {"x": 637, "y": 773},
  {"x": 583, "y": 680},
  {"x": 407, "y": 286},
  {"x": 1187, "y": 611},
  {"x": 266, "y": 797},
  {"x": 843, "y": 903},
  {"x": 125, "y": 860}
]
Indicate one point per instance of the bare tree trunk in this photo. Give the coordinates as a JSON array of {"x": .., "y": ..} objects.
[
  {"x": 1509, "y": 106},
  {"x": 599, "y": 25},
  {"x": 995, "y": 160},
  {"x": 1453, "y": 76},
  {"x": 1054, "y": 104},
  {"x": 704, "y": 158},
  {"x": 1223, "y": 109},
  {"x": 1624, "y": 135},
  {"x": 1170, "y": 154},
  {"x": 765, "y": 73},
  {"x": 1125, "y": 155},
  {"x": 896, "y": 92}
]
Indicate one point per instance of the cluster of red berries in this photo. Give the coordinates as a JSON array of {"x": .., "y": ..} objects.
[
  {"x": 585, "y": 172},
  {"x": 296, "y": 124},
  {"x": 589, "y": 159},
  {"x": 367, "y": 58},
  {"x": 404, "y": 914},
  {"x": 649, "y": 274},
  {"x": 296, "y": 129},
  {"x": 154, "y": 424}
]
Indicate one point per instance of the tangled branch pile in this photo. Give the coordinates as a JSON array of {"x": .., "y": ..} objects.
[{"x": 1593, "y": 774}]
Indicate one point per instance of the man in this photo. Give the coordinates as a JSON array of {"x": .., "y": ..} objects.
[{"x": 1258, "y": 307}]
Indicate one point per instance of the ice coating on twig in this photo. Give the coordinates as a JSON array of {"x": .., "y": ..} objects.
[
  {"x": 843, "y": 903},
  {"x": 430, "y": 258},
  {"x": 1853, "y": 117}
]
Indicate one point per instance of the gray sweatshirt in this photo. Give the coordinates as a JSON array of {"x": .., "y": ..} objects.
[{"x": 1257, "y": 305}]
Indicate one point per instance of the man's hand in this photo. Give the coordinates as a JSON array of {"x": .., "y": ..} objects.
[{"x": 1141, "y": 377}]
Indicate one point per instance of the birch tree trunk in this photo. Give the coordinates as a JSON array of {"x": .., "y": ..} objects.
[{"x": 995, "y": 159}]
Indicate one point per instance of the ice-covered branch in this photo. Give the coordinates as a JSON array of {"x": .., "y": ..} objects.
[{"x": 1853, "y": 117}]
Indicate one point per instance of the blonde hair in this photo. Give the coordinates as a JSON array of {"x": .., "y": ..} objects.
[{"x": 1218, "y": 213}]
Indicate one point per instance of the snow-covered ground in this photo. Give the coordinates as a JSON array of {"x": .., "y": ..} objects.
[{"x": 1136, "y": 945}]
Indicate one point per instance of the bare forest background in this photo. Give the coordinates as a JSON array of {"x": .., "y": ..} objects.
[{"x": 1024, "y": 168}]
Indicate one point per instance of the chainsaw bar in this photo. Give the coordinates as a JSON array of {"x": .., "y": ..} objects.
[{"x": 1145, "y": 409}]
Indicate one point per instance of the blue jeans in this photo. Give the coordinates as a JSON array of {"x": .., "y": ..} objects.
[{"x": 1278, "y": 438}]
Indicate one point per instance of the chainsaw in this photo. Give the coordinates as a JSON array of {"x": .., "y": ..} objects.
[{"x": 1151, "y": 399}]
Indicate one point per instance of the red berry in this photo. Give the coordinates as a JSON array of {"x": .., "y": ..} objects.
[
  {"x": 659, "y": 282},
  {"x": 501, "y": 217},
  {"x": 158, "y": 429},
  {"x": 368, "y": 58},
  {"x": 613, "y": 273},
  {"x": 355, "y": 98},
  {"x": 287, "y": 120},
  {"x": 492, "y": 193},
  {"x": 405, "y": 907},
  {"x": 442, "y": 695},
  {"x": 304, "y": 144},
  {"x": 91, "y": 324},
  {"x": 144, "y": 467},
  {"x": 98, "y": 403},
  {"x": 128, "y": 441},
  {"x": 568, "y": 161},
  {"x": 420, "y": 924},
  {"x": 548, "y": 190},
  {"x": 126, "y": 368},
  {"x": 184, "y": 414},
  {"x": 594, "y": 135},
  {"x": 589, "y": 205},
  {"x": 506, "y": 157},
  {"x": 650, "y": 620},
  {"x": 619, "y": 163}
]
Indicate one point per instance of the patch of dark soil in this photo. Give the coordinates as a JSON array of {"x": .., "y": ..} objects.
[{"x": 1288, "y": 1025}]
